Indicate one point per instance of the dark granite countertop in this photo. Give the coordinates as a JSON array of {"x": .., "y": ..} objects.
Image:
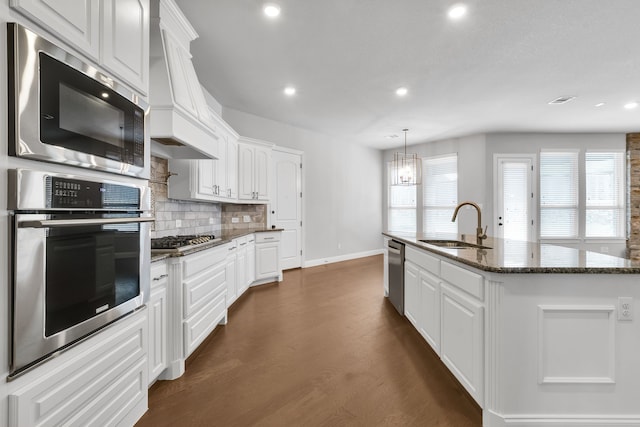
[
  {"x": 514, "y": 256},
  {"x": 225, "y": 237}
]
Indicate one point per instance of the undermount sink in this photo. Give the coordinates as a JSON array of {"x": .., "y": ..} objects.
[{"x": 454, "y": 244}]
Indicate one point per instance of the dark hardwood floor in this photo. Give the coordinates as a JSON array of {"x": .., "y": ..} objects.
[{"x": 321, "y": 348}]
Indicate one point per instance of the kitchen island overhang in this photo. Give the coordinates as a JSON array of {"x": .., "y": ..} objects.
[{"x": 537, "y": 334}]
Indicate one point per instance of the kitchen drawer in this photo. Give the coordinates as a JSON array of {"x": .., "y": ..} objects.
[
  {"x": 241, "y": 242},
  {"x": 195, "y": 263},
  {"x": 464, "y": 279},
  {"x": 202, "y": 323},
  {"x": 422, "y": 259},
  {"x": 201, "y": 289},
  {"x": 268, "y": 237},
  {"x": 104, "y": 384},
  {"x": 159, "y": 273}
]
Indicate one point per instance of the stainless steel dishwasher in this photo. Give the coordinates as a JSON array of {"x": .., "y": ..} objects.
[{"x": 396, "y": 274}]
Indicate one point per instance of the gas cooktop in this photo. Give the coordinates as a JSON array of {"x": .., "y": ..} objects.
[{"x": 180, "y": 243}]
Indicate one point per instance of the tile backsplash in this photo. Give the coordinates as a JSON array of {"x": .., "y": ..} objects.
[
  {"x": 245, "y": 216},
  {"x": 175, "y": 217}
]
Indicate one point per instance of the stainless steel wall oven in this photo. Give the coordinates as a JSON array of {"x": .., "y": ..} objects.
[
  {"x": 80, "y": 259},
  {"x": 63, "y": 110}
]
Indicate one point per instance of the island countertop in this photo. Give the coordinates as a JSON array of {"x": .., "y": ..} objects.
[{"x": 514, "y": 256}]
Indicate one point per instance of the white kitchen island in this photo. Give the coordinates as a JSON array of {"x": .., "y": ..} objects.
[{"x": 537, "y": 334}]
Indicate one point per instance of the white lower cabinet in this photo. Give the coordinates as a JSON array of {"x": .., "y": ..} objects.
[
  {"x": 202, "y": 323},
  {"x": 204, "y": 290},
  {"x": 241, "y": 265},
  {"x": 268, "y": 256},
  {"x": 102, "y": 381},
  {"x": 462, "y": 339},
  {"x": 385, "y": 266},
  {"x": 157, "y": 353},
  {"x": 251, "y": 259},
  {"x": 429, "y": 325},
  {"x": 412, "y": 293},
  {"x": 444, "y": 302},
  {"x": 231, "y": 269}
]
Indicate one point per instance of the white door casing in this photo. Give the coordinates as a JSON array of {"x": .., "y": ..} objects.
[{"x": 286, "y": 205}]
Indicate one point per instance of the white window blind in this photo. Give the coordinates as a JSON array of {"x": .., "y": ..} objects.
[
  {"x": 605, "y": 193},
  {"x": 402, "y": 206},
  {"x": 440, "y": 193},
  {"x": 558, "y": 194},
  {"x": 515, "y": 199}
]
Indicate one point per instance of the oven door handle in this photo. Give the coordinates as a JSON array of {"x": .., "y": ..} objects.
[{"x": 46, "y": 223}]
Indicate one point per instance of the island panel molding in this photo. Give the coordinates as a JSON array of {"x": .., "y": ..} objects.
[{"x": 566, "y": 333}]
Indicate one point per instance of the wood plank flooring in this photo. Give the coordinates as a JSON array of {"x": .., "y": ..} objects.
[{"x": 321, "y": 348}]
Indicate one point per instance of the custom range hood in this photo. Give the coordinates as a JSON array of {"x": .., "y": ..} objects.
[{"x": 182, "y": 125}]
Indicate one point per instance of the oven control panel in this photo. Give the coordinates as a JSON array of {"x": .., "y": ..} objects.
[{"x": 66, "y": 193}]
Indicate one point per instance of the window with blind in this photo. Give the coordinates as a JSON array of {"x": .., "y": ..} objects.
[
  {"x": 440, "y": 193},
  {"x": 558, "y": 194},
  {"x": 605, "y": 194},
  {"x": 402, "y": 206}
]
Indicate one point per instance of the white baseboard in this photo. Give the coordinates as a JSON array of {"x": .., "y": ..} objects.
[
  {"x": 340, "y": 258},
  {"x": 491, "y": 419}
]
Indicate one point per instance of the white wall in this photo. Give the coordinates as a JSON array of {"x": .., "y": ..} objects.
[{"x": 342, "y": 187}]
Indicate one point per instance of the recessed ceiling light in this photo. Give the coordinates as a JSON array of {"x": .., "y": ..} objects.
[
  {"x": 402, "y": 91},
  {"x": 289, "y": 90},
  {"x": 457, "y": 11},
  {"x": 272, "y": 10},
  {"x": 631, "y": 105},
  {"x": 599, "y": 104}
]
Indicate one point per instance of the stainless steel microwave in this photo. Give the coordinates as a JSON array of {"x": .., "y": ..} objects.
[{"x": 63, "y": 110}]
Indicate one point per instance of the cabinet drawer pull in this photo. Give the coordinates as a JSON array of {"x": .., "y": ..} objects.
[
  {"x": 232, "y": 248},
  {"x": 242, "y": 244},
  {"x": 160, "y": 277},
  {"x": 269, "y": 238}
]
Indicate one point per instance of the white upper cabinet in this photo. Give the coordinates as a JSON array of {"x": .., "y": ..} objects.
[
  {"x": 232, "y": 167},
  {"x": 75, "y": 21},
  {"x": 254, "y": 164},
  {"x": 114, "y": 33},
  {"x": 208, "y": 180},
  {"x": 125, "y": 40},
  {"x": 226, "y": 168}
]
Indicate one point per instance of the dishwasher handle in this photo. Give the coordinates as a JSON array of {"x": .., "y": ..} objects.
[
  {"x": 394, "y": 250},
  {"x": 395, "y": 247}
]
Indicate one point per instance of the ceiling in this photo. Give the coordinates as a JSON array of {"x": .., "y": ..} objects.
[{"x": 495, "y": 70}]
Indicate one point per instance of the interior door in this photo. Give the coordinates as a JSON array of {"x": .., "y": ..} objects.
[
  {"x": 514, "y": 197},
  {"x": 286, "y": 206}
]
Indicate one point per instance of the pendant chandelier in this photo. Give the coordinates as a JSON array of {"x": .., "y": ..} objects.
[{"x": 406, "y": 168}]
